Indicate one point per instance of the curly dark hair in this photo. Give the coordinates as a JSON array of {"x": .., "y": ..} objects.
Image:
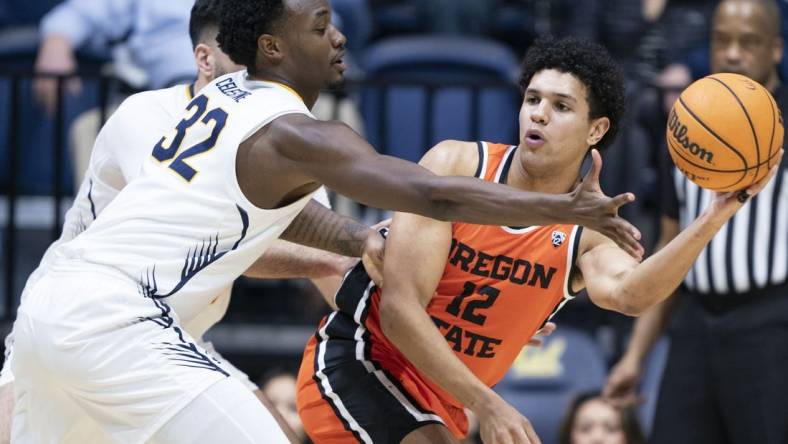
[
  {"x": 593, "y": 66},
  {"x": 242, "y": 22}
]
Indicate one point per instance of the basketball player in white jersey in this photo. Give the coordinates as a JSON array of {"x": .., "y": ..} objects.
[
  {"x": 120, "y": 149},
  {"x": 96, "y": 333}
]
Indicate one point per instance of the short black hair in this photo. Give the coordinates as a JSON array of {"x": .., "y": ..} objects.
[
  {"x": 593, "y": 66},
  {"x": 242, "y": 22},
  {"x": 204, "y": 17}
]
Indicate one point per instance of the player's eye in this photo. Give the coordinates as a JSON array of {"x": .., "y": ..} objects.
[{"x": 532, "y": 100}]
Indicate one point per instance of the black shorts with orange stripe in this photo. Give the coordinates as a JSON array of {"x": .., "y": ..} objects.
[{"x": 343, "y": 394}]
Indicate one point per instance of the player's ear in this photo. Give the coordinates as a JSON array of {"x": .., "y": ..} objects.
[
  {"x": 270, "y": 47},
  {"x": 598, "y": 130},
  {"x": 777, "y": 49},
  {"x": 203, "y": 55}
]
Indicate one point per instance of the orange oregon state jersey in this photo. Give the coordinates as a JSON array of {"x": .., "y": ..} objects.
[{"x": 500, "y": 285}]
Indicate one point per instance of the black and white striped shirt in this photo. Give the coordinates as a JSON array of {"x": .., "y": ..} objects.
[{"x": 751, "y": 251}]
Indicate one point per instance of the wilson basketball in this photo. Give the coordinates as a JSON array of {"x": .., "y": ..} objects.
[{"x": 725, "y": 132}]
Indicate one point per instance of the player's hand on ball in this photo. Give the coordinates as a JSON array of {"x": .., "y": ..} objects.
[
  {"x": 500, "y": 423},
  {"x": 593, "y": 209},
  {"x": 372, "y": 257},
  {"x": 728, "y": 203}
]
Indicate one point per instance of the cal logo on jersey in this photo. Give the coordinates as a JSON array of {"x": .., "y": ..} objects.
[{"x": 558, "y": 238}]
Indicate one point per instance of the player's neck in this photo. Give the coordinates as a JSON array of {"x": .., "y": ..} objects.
[
  {"x": 308, "y": 96},
  {"x": 545, "y": 181},
  {"x": 200, "y": 83}
]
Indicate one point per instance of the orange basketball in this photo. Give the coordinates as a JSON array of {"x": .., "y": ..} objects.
[{"x": 725, "y": 132}]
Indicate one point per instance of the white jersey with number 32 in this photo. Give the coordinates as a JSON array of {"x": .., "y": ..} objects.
[{"x": 183, "y": 226}]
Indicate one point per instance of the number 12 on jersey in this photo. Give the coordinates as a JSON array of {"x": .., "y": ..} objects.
[
  {"x": 199, "y": 112},
  {"x": 490, "y": 294}
]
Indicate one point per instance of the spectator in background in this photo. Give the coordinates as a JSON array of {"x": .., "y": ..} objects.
[
  {"x": 591, "y": 420},
  {"x": 725, "y": 379},
  {"x": 155, "y": 53},
  {"x": 644, "y": 34},
  {"x": 279, "y": 386},
  {"x": 156, "y": 46},
  {"x": 156, "y": 33}
]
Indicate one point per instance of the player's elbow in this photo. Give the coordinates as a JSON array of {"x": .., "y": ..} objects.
[
  {"x": 631, "y": 310},
  {"x": 628, "y": 304}
]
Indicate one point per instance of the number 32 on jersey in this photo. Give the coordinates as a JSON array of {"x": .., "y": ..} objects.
[{"x": 198, "y": 109}]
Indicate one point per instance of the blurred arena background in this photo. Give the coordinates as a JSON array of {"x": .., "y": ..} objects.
[{"x": 421, "y": 71}]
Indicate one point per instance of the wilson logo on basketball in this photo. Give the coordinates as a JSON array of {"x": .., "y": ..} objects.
[{"x": 679, "y": 132}]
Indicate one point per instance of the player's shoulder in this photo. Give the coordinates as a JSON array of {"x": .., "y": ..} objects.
[
  {"x": 145, "y": 102},
  {"x": 452, "y": 158}
]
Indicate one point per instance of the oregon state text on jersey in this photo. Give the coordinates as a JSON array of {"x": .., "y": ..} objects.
[{"x": 499, "y": 285}]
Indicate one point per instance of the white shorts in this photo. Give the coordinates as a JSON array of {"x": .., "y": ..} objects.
[
  {"x": 84, "y": 429},
  {"x": 91, "y": 344},
  {"x": 7, "y": 376}
]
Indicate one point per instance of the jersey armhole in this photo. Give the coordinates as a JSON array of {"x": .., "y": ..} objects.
[
  {"x": 481, "y": 168},
  {"x": 573, "y": 272}
]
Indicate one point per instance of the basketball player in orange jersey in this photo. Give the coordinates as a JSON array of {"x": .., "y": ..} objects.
[{"x": 459, "y": 301}]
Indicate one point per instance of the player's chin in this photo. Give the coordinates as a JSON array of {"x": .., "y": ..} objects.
[{"x": 336, "y": 81}]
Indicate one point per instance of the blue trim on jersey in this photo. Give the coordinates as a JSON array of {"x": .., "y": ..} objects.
[
  {"x": 185, "y": 354},
  {"x": 90, "y": 199},
  {"x": 197, "y": 259}
]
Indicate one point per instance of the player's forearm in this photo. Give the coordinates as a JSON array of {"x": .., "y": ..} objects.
[
  {"x": 285, "y": 260},
  {"x": 656, "y": 278},
  {"x": 481, "y": 202},
  {"x": 318, "y": 227},
  {"x": 411, "y": 330}
]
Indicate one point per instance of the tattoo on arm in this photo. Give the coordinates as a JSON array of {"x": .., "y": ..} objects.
[{"x": 318, "y": 227}]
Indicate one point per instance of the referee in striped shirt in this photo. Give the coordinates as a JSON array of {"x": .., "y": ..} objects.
[{"x": 726, "y": 379}]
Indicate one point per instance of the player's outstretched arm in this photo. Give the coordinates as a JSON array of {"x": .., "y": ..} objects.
[
  {"x": 318, "y": 227},
  {"x": 416, "y": 253},
  {"x": 331, "y": 153},
  {"x": 617, "y": 282}
]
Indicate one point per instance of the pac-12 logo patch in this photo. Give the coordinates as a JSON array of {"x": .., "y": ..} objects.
[{"x": 558, "y": 238}]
